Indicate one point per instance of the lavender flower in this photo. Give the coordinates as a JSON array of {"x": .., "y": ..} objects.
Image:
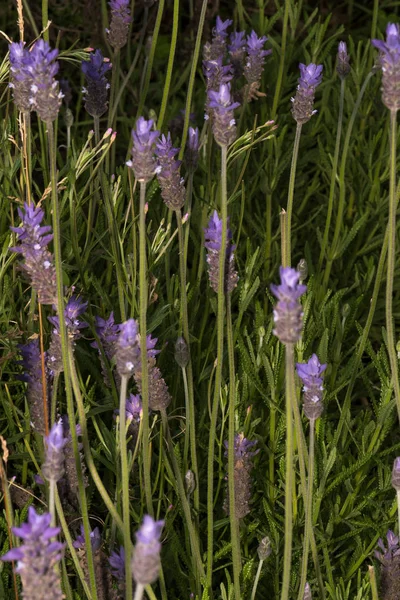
[
  {"x": 216, "y": 73},
  {"x": 213, "y": 236},
  {"x": 217, "y": 47},
  {"x": 255, "y": 64},
  {"x": 127, "y": 352},
  {"x": 42, "y": 68},
  {"x": 74, "y": 309},
  {"x": 133, "y": 408},
  {"x": 102, "y": 574},
  {"x": 117, "y": 564},
  {"x": 303, "y": 102},
  {"x": 143, "y": 162},
  {"x": 119, "y": 26},
  {"x": 192, "y": 149},
  {"x": 224, "y": 124},
  {"x": 159, "y": 397},
  {"x": 390, "y": 570},
  {"x": 168, "y": 174},
  {"x": 310, "y": 375},
  {"x": 307, "y": 592},
  {"x": 288, "y": 313},
  {"x": 37, "y": 557},
  {"x": 181, "y": 352},
  {"x": 53, "y": 466},
  {"x": 21, "y": 79},
  {"x": 343, "y": 61},
  {"x": 71, "y": 475},
  {"x": 32, "y": 363},
  {"x": 96, "y": 90},
  {"x": 396, "y": 474},
  {"x": 237, "y": 52},
  {"x": 264, "y": 548},
  {"x": 390, "y": 63},
  {"x": 243, "y": 465},
  {"x": 146, "y": 558},
  {"x": 38, "y": 264},
  {"x": 95, "y": 539},
  {"x": 108, "y": 331}
]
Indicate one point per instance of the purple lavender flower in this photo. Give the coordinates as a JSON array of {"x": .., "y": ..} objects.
[
  {"x": 224, "y": 124},
  {"x": 307, "y": 592},
  {"x": 143, "y": 162},
  {"x": 390, "y": 63},
  {"x": 213, "y": 236},
  {"x": 117, "y": 564},
  {"x": 96, "y": 90},
  {"x": 38, "y": 264},
  {"x": 108, "y": 332},
  {"x": 216, "y": 73},
  {"x": 310, "y": 375},
  {"x": 127, "y": 352},
  {"x": 192, "y": 149},
  {"x": 146, "y": 558},
  {"x": 95, "y": 539},
  {"x": 21, "y": 79},
  {"x": 71, "y": 475},
  {"x": 237, "y": 51},
  {"x": 37, "y": 557},
  {"x": 133, "y": 407},
  {"x": 32, "y": 364},
  {"x": 182, "y": 354},
  {"x": 119, "y": 26},
  {"x": 216, "y": 49},
  {"x": 243, "y": 465},
  {"x": 396, "y": 474},
  {"x": 390, "y": 570},
  {"x": 288, "y": 312},
  {"x": 42, "y": 68},
  {"x": 53, "y": 466},
  {"x": 168, "y": 174},
  {"x": 75, "y": 307},
  {"x": 255, "y": 64},
  {"x": 303, "y": 102},
  {"x": 343, "y": 61}
]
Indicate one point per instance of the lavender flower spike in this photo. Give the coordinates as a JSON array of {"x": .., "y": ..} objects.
[
  {"x": 213, "y": 237},
  {"x": 255, "y": 64},
  {"x": 119, "y": 26},
  {"x": 32, "y": 363},
  {"x": 396, "y": 474},
  {"x": 74, "y": 308},
  {"x": 43, "y": 67},
  {"x": 143, "y": 162},
  {"x": 97, "y": 86},
  {"x": 288, "y": 312},
  {"x": 127, "y": 352},
  {"x": 95, "y": 539},
  {"x": 146, "y": 559},
  {"x": 117, "y": 564},
  {"x": 53, "y": 466},
  {"x": 390, "y": 570},
  {"x": 168, "y": 174},
  {"x": 303, "y": 102},
  {"x": 21, "y": 79},
  {"x": 224, "y": 124},
  {"x": 390, "y": 63},
  {"x": 37, "y": 557},
  {"x": 192, "y": 149},
  {"x": 343, "y": 61},
  {"x": 237, "y": 51},
  {"x": 307, "y": 592},
  {"x": 217, "y": 47},
  {"x": 310, "y": 375},
  {"x": 33, "y": 240},
  {"x": 243, "y": 465}
]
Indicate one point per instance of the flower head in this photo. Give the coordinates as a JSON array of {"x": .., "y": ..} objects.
[
  {"x": 117, "y": 564},
  {"x": 288, "y": 311},
  {"x": 343, "y": 61},
  {"x": 389, "y": 558},
  {"x": 53, "y": 466},
  {"x": 310, "y": 375},
  {"x": 96, "y": 90},
  {"x": 243, "y": 455},
  {"x": 216, "y": 73},
  {"x": 192, "y": 148},
  {"x": 37, "y": 557},
  {"x": 390, "y": 63},
  {"x": 42, "y": 67},
  {"x": 108, "y": 332},
  {"x": 168, "y": 174},
  {"x": 119, "y": 26},
  {"x": 128, "y": 348},
  {"x": 144, "y": 138},
  {"x": 255, "y": 63},
  {"x": 32, "y": 364},
  {"x": 38, "y": 264},
  {"x": 95, "y": 539},
  {"x": 224, "y": 124},
  {"x": 146, "y": 557},
  {"x": 213, "y": 239},
  {"x": 74, "y": 308},
  {"x": 303, "y": 102},
  {"x": 396, "y": 474},
  {"x": 216, "y": 49},
  {"x": 20, "y": 77}
]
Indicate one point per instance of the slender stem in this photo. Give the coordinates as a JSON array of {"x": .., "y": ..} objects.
[
  {"x": 256, "y": 580},
  {"x": 290, "y": 399},
  {"x": 125, "y": 487},
  {"x": 43, "y": 369},
  {"x": 190, "y": 414},
  {"x": 235, "y": 539},
  {"x": 52, "y": 510},
  {"x": 308, "y": 512},
  {"x": 143, "y": 349},
  {"x": 279, "y": 80},
  {"x": 391, "y": 260},
  {"x": 333, "y": 175},
  {"x": 218, "y": 371},
  {"x": 287, "y": 257},
  {"x": 139, "y": 592},
  {"x": 65, "y": 351},
  {"x": 168, "y": 76},
  {"x": 45, "y": 19},
  {"x": 342, "y": 183},
  {"x": 96, "y": 122},
  {"x": 372, "y": 578}
]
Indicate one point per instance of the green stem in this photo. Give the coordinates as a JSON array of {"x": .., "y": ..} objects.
[
  {"x": 308, "y": 512},
  {"x": 287, "y": 257},
  {"x": 235, "y": 539},
  {"x": 45, "y": 19},
  {"x": 190, "y": 415},
  {"x": 333, "y": 176},
  {"x": 279, "y": 80},
  {"x": 143, "y": 349},
  {"x": 256, "y": 580},
  {"x": 52, "y": 510},
  {"x": 167, "y": 80},
  {"x": 372, "y": 578},
  {"x": 125, "y": 487},
  {"x": 65, "y": 351},
  {"x": 218, "y": 371},
  {"x": 290, "y": 400},
  {"x": 139, "y": 592},
  {"x": 342, "y": 186}
]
